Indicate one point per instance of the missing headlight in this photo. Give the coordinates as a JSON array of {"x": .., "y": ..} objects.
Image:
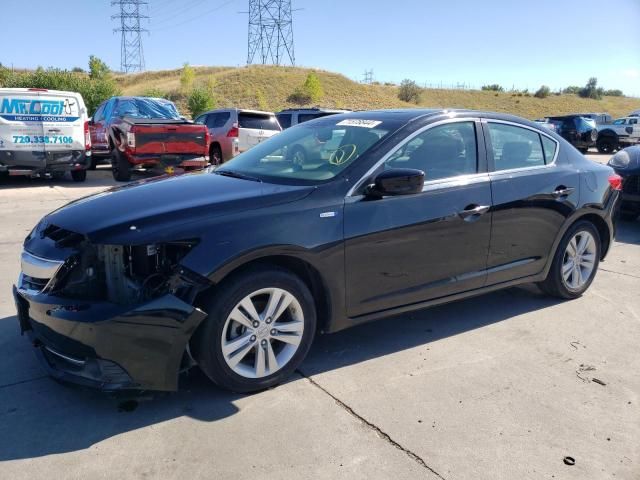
[{"x": 136, "y": 273}]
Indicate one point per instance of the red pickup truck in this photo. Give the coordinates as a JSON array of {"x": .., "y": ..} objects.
[{"x": 143, "y": 132}]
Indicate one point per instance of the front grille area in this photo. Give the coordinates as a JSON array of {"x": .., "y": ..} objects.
[
  {"x": 631, "y": 185},
  {"x": 63, "y": 238},
  {"x": 33, "y": 283}
]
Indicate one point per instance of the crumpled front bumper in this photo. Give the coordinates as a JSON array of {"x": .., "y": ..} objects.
[{"x": 109, "y": 346}]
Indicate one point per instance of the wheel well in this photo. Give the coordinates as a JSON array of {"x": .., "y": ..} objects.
[
  {"x": 603, "y": 231},
  {"x": 608, "y": 134},
  {"x": 214, "y": 144},
  {"x": 303, "y": 270}
]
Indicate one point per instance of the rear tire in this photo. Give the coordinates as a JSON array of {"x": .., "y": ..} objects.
[
  {"x": 607, "y": 145},
  {"x": 567, "y": 279},
  {"x": 258, "y": 359},
  {"x": 93, "y": 162},
  {"x": 79, "y": 175},
  {"x": 120, "y": 167}
]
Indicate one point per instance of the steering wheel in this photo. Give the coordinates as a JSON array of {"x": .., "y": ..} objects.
[{"x": 343, "y": 154}]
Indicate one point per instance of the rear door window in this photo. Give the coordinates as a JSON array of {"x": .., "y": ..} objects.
[
  {"x": 258, "y": 121},
  {"x": 284, "y": 119},
  {"x": 515, "y": 147},
  {"x": 219, "y": 119}
]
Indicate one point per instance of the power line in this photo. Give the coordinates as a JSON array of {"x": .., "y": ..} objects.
[
  {"x": 198, "y": 17},
  {"x": 131, "y": 52},
  {"x": 367, "y": 77},
  {"x": 270, "y": 32}
]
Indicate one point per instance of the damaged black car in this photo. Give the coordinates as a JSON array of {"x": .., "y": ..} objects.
[{"x": 237, "y": 269}]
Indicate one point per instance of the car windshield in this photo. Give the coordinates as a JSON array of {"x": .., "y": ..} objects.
[
  {"x": 147, "y": 108},
  {"x": 310, "y": 153}
]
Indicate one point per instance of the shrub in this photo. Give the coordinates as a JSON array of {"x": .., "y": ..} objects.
[
  {"x": 574, "y": 90},
  {"x": 94, "y": 89},
  {"x": 409, "y": 91},
  {"x": 591, "y": 90},
  {"x": 613, "y": 93},
  {"x": 493, "y": 88},
  {"x": 199, "y": 100},
  {"x": 543, "y": 92},
  {"x": 310, "y": 91},
  {"x": 187, "y": 76}
]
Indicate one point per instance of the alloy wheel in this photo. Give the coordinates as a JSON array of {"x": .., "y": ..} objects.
[
  {"x": 579, "y": 260},
  {"x": 262, "y": 333}
]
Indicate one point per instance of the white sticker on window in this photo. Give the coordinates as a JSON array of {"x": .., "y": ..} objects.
[{"x": 353, "y": 122}]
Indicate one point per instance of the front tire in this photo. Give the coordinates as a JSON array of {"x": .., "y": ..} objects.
[
  {"x": 120, "y": 167},
  {"x": 575, "y": 262},
  {"x": 79, "y": 175},
  {"x": 215, "y": 155},
  {"x": 260, "y": 327}
]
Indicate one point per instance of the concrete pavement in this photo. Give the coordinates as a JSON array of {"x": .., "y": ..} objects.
[{"x": 497, "y": 387}]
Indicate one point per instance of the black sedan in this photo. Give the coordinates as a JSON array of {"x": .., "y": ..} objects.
[
  {"x": 626, "y": 163},
  {"x": 237, "y": 269}
]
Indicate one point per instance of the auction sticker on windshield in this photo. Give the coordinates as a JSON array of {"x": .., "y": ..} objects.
[{"x": 353, "y": 122}]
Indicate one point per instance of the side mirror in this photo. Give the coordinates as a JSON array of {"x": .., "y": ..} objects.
[{"x": 396, "y": 181}]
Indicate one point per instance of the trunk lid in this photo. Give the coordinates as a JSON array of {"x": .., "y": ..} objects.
[
  {"x": 256, "y": 127},
  {"x": 169, "y": 137}
]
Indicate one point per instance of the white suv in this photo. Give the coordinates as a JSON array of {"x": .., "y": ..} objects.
[
  {"x": 294, "y": 116},
  {"x": 234, "y": 131}
]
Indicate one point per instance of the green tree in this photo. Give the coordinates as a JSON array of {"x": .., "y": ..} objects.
[
  {"x": 313, "y": 87},
  {"x": 187, "y": 77},
  {"x": 543, "y": 92},
  {"x": 409, "y": 91},
  {"x": 97, "y": 68},
  {"x": 591, "y": 90},
  {"x": 199, "y": 100}
]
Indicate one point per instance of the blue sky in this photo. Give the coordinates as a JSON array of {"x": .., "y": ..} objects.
[{"x": 521, "y": 43}]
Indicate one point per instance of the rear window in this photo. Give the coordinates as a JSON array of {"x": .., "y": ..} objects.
[
  {"x": 258, "y": 121},
  {"x": 147, "y": 108},
  {"x": 305, "y": 117}
]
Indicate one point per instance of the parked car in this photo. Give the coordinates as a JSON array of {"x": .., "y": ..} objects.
[
  {"x": 635, "y": 113},
  {"x": 626, "y": 163},
  {"x": 578, "y": 131},
  {"x": 143, "y": 132},
  {"x": 293, "y": 116},
  {"x": 599, "y": 118},
  {"x": 234, "y": 131},
  {"x": 237, "y": 268},
  {"x": 44, "y": 132},
  {"x": 543, "y": 122},
  {"x": 621, "y": 133}
]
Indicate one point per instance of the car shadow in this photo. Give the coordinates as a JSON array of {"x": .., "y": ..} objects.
[
  {"x": 100, "y": 177},
  {"x": 39, "y": 417},
  {"x": 628, "y": 231}
]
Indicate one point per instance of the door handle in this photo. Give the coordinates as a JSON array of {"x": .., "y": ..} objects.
[
  {"x": 562, "y": 192},
  {"x": 473, "y": 212}
]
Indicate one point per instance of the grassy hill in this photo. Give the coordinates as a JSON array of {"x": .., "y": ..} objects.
[{"x": 268, "y": 88}]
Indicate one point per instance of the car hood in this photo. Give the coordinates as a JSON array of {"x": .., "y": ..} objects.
[{"x": 152, "y": 209}]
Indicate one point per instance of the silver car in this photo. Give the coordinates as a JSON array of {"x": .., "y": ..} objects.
[{"x": 234, "y": 131}]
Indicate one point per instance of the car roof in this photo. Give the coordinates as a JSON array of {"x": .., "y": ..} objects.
[
  {"x": 410, "y": 114},
  {"x": 239, "y": 110}
]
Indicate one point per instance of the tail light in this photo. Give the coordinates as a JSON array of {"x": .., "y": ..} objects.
[
  {"x": 234, "y": 132},
  {"x": 87, "y": 137},
  {"x": 615, "y": 181},
  {"x": 207, "y": 138},
  {"x": 131, "y": 139}
]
